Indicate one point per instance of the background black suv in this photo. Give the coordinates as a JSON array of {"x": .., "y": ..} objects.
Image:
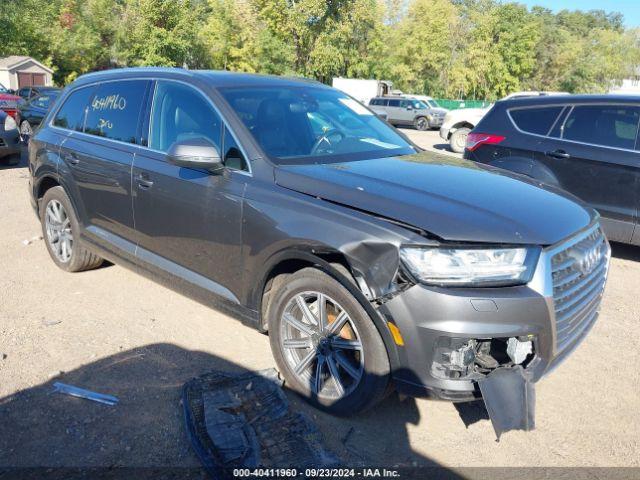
[{"x": 585, "y": 144}]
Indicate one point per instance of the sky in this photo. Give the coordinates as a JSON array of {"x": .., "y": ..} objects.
[{"x": 629, "y": 8}]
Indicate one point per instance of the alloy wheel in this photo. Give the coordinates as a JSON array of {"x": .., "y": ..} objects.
[
  {"x": 58, "y": 227},
  {"x": 321, "y": 345},
  {"x": 422, "y": 124},
  {"x": 461, "y": 142}
]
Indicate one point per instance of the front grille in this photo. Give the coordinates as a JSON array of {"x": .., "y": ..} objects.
[{"x": 579, "y": 275}]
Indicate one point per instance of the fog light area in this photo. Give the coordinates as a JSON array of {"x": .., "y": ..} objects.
[{"x": 472, "y": 359}]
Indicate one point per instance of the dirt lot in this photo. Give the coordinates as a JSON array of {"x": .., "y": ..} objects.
[{"x": 115, "y": 332}]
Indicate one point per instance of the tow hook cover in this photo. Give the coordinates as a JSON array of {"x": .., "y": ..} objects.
[{"x": 509, "y": 395}]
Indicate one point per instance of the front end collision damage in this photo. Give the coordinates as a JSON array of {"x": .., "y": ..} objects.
[
  {"x": 508, "y": 327},
  {"x": 497, "y": 368}
]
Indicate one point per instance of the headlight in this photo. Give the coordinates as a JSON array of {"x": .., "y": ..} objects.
[
  {"x": 10, "y": 123},
  {"x": 483, "y": 267}
]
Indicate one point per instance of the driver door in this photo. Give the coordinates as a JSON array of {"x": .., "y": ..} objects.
[{"x": 188, "y": 221}]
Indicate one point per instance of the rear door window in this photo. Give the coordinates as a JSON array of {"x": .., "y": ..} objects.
[
  {"x": 72, "y": 115},
  {"x": 537, "y": 120},
  {"x": 114, "y": 111},
  {"x": 394, "y": 103},
  {"x": 606, "y": 125}
]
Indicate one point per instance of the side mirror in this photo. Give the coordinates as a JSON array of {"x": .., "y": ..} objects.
[
  {"x": 409, "y": 107},
  {"x": 196, "y": 153}
]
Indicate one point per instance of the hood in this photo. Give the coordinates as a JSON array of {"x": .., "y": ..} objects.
[
  {"x": 454, "y": 199},
  {"x": 439, "y": 110}
]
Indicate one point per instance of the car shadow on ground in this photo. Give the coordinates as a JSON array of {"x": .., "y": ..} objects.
[
  {"x": 443, "y": 146},
  {"x": 146, "y": 428},
  {"x": 625, "y": 251}
]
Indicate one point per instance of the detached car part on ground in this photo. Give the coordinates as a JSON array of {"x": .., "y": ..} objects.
[{"x": 294, "y": 208}]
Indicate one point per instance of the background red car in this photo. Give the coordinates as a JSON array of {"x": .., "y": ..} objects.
[{"x": 9, "y": 102}]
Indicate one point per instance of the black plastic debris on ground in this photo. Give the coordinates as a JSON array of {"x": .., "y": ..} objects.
[{"x": 244, "y": 421}]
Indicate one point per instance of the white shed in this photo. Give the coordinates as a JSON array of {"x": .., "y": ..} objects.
[{"x": 18, "y": 71}]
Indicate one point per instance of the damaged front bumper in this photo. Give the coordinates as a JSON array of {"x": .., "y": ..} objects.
[{"x": 457, "y": 339}]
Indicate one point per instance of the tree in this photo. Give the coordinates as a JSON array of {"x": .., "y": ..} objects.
[{"x": 160, "y": 33}]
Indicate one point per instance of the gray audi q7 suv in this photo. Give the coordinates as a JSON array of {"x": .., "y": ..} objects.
[{"x": 291, "y": 206}]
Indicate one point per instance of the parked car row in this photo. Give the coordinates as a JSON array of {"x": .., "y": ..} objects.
[
  {"x": 31, "y": 113},
  {"x": 587, "y": 145},
  {"x": 292, "y": 206},
  {"x": 28, "y": 110}
]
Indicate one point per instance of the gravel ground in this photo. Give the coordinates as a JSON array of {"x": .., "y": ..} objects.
[{"x": 115, "y": 332}]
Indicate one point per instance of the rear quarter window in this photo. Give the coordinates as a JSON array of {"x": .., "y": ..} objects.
[
  {"x": 72, "y": 114},
  {"x": 535, "y": 120}
]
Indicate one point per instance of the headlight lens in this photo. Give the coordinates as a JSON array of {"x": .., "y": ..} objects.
[
  {"x": 10, "y": 123},
  {"x": 470, "y": 266}
]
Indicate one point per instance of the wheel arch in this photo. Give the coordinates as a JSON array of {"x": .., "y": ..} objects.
[
  {"x": 462, "y": 124},
  {"x": 290, "y": 261},
  {"x": 334, "y": 264}
]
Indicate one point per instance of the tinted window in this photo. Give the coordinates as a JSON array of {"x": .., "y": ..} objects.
[
  {"x": 232, "y": 157},
  {"x": 43, "y": 101},
  {"x": 181, "y": 113},
  {"x": 73, "y": 112},
  {"x": 394, "y": 103},
  {"x": 535, "y": 120},
  {"x": 300, "y": 124},
  {"x": 374, "y": 101},
  {"x": 115, "y": 109},
  {"x": 608, "y": 125},
  {"x": 23, "y": 92}
]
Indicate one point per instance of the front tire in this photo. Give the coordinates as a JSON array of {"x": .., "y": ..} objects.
[
  {"x": 458, "y": 140},
  {"x": 422, "y": 124},
  {"x": 60, "y": 230},
  {"x": 326, "y": 345}
]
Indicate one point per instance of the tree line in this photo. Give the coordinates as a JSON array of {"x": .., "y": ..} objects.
[{"x": 446, "y": 48}]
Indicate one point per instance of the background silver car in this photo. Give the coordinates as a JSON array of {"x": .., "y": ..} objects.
[{"x": 409, "y": 111}]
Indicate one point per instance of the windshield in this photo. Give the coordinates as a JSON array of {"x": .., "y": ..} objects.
[
  {"x": 433, "y": 104},
  {"x": 313, "y": 125}
]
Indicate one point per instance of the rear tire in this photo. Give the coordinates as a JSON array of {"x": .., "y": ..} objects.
[
  {"x": 60, "y": 230},
  {"x": 354, "y": 365},
  {"x": 458, "y": 140}
]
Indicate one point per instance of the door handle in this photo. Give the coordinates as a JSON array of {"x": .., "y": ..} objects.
[
  {"x": 558, "y": 154},
  {"x": 143, "y": 183}
]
